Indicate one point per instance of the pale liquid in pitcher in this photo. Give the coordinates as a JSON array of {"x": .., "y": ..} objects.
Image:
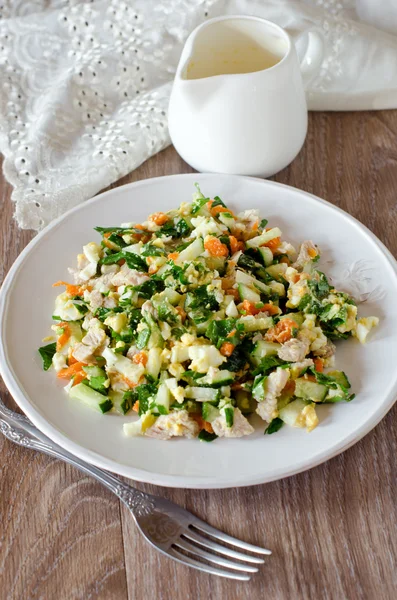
[{"x": 244, "y": 59}]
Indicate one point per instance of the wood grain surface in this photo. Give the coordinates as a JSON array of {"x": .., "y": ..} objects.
[{"x": 332, "y": 529}]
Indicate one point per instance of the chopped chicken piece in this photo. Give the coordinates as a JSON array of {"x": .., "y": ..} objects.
[
  {"x": 273, "y": 386},
  {"x": 175, "y": 424},
  {"x": 83, "y": 353},
  {"x": 307, "y": 252},
  {"x": 326, "y": 351},
  {"x": 127, "y": 276},
  {"x": 239, "y": 428},
  {"x": 294, "y": 350}
]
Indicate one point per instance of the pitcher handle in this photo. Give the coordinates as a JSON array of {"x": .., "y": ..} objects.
[{"x": 313, "y": 57}]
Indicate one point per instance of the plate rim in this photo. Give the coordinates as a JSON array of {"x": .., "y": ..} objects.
[{"x": 137, "y": 474}]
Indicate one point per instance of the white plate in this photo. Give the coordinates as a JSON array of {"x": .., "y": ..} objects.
[{"x": 351, "y": 253}]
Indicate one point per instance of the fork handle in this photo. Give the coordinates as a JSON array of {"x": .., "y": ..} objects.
[{"x": 17, "y": 428}]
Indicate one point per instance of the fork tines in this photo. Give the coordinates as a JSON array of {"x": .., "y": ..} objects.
[{"x": 195, "y": 549}]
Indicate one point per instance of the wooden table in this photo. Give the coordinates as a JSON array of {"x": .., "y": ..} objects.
[{"x": 332, "y": 529}]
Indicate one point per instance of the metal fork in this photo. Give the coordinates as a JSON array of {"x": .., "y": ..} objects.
[{"x": 169, "y": 528}]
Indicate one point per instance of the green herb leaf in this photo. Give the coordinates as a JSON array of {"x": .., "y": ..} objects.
[
  {"x": 218, "y": 202},
  {"x": 46, "y": 353},
  {"x": 229, "y": 416},
  {"x": 134, "y": 261},
  {"x": 204, "y": 436},
  {"x": 274, "y": 425},
  {"x": 143, "y": 338}
]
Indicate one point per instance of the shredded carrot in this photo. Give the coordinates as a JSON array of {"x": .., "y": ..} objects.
[
  {"x": 128, "y": 382},
  {"x": 71, "y": 358},
  {"x": 233, "y": 292},
  {"x": 249, "y": 308},
  {"x": 282, "y": 332},
  {"x": 208, "y": 427},
  {"x": 270, "y": 308},
  {"x": 220, "y": 209},
  {"x": 227, "y": 283},
  {"x": 227, "y": 349},
  {"x": 312, "y": 252},
  {"x": 235, "y": 245},
  {"x": 64, "y": 337},
  {"x": 70, "y": 371},
  {"x": 319, "y": 365},
  {"x": 136, "y": 406},
  {"x": 215, "y": 247},
  {"x": 181, "y": 311},
  {"x": 144, "y": 236},
  {"x": 232, "y": 333},
  {"x": 290, "y": 386},
  {"x": 71, "y": 290},
  {"x": 273, "y": 244},
  {"x": 159, "y": 218},
  {"x": 140, "y": 358},
  {"x": 173, "y": 255},
  {"x": 107, "y": 243},
  {"x": 201, "y": 423},
  {"x": 79, "y": 377},
  {"x": 255, "y": 225}
]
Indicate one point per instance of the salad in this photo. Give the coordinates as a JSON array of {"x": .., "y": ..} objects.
[{"x": 198, "y": 318}]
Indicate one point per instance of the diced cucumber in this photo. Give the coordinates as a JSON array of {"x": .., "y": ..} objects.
[
  {"x": 290, "y": 414},
  {"x": 90, "y": 397},
  {"x": 245, "y": 402},
  {"x": 260, "y": 240},
  {"x": 256, "y": 324},
  {"x": 123, "y": 365},
  {"x": 94, "y": 371},
  {"x": 191, "y": 252},
  {"x": 285, "y": 397},
  {"x": 163, "y": 397},
  {"x": 258, "y": 390},
  {"x": 155, "y": 339},
  {"x": 227, "y": 219},
  {"x": 202, "y": 394},
  {"x": 277, "y": 271},
  {"x": 267, "y": 255},
  {"x": 277, "y": 288},
  {"x": 153, "y": 364},
  {"x": 209, "y": 412},
  {"x": 120, "y": 403},
  {"x": 295, "y": 316},
  {"x": 263, "y": 348},
  {"x": 249, "y": 294},
  {"x": 168, "y": 294},
  {"x": 309, "y": 390},
  {"x": 340, "y": 378},
  {"x": 242, "y": 277},
  {"x": 134, "y": 248},
  {"x": 216, "y": 263},
  {"x": 218, "y": 379}
]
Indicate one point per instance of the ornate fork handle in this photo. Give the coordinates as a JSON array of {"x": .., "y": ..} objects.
[{"x": 18, "y": 429}]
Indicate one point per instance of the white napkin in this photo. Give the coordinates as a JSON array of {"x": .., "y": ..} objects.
[{"x": 85, "y": 85}]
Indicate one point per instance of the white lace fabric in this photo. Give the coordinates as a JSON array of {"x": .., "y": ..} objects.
[{"x": 85, "y": 85}]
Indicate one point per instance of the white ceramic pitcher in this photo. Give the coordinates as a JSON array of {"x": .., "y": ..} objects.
[{"x": 238, "y": 103}]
